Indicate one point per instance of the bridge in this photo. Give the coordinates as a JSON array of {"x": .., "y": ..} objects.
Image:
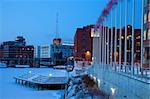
[{"x": 121, "y": 64}]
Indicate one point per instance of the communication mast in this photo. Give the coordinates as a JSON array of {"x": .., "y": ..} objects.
[
  {"x": 57, "y": 40},
  {"x": 57, "y": 31}
]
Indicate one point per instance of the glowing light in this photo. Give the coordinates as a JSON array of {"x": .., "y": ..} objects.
[
  {"x": 113, "y": 91},
  {"x": 98, "y": 81},
  {"x": 30, "y": 72},
  {"x": 122, "y": 37},
  {"x": 50, "y": 75},
  {"x": 88, "y": 55},
  {"x": 94, "y": 78}
]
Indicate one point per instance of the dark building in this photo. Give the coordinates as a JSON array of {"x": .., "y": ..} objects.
[
  {"x": 1, "y": 51},
  {"x": 16, "y": 50},
  {"x": 83, "y": 44}
]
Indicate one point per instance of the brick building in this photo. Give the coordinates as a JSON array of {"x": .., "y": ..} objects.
[
  {"x": 103, "y": 48},
  {"x": 17, "y": 51},
  {"x": 83, "y": 44}
]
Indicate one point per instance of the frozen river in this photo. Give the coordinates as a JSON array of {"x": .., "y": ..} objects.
[{"x": 10, "y": 90}]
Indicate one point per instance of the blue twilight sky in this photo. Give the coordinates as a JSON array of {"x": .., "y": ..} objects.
[{"x": 36, "y": 19}]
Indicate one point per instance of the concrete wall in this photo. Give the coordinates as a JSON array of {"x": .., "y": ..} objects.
[{"x": 126, "y": 87}]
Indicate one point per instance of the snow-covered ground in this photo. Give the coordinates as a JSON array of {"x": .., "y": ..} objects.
[
  {"x": 10, "y": 90},
  {"x": 2, "y": 65}
]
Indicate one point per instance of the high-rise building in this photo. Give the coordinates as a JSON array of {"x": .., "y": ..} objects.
[
  {"x": 83, "y": 44},
  {"x": 146, "y": 43}
]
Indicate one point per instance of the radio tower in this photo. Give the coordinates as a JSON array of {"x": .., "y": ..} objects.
[
  {"x": 57, "y": 32},
  {"x": 57, "y": 40}
]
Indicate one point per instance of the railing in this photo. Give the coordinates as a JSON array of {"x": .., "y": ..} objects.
[
  {"x": 122, "y": 80},
  {"x": 116, "y": 27},
  {"x": 137, "y": 73}
]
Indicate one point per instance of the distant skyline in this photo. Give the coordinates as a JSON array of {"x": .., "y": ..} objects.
[{"x": 36, "y": 19}]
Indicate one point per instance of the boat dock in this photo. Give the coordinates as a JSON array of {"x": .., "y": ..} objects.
[{"x": 42, "y": 82}]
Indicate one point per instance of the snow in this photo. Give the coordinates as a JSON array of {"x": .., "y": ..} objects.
[
  {"x": 2, "y": 65},
  {"x": 21, "y": 66},
  {"x": 78, "y": 89},
  {"x": 10, "y": 90}
]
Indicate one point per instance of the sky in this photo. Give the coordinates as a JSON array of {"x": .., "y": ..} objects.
[{"x": 36, "y": 19}]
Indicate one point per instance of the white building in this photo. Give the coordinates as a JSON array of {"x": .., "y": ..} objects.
[{"x": 42, "y": 51}]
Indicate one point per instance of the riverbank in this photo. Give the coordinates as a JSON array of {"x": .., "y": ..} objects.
[{"x": 9, "y": 89}]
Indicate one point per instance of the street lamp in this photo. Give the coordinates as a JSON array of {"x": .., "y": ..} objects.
[
  {"x": 113, "y": 91},
  {"x": 30, "y": 72},
  {"x": 50, "y": 75}
]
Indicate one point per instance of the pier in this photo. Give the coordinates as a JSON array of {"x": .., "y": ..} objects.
[{"x": 41, "y": 82}]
